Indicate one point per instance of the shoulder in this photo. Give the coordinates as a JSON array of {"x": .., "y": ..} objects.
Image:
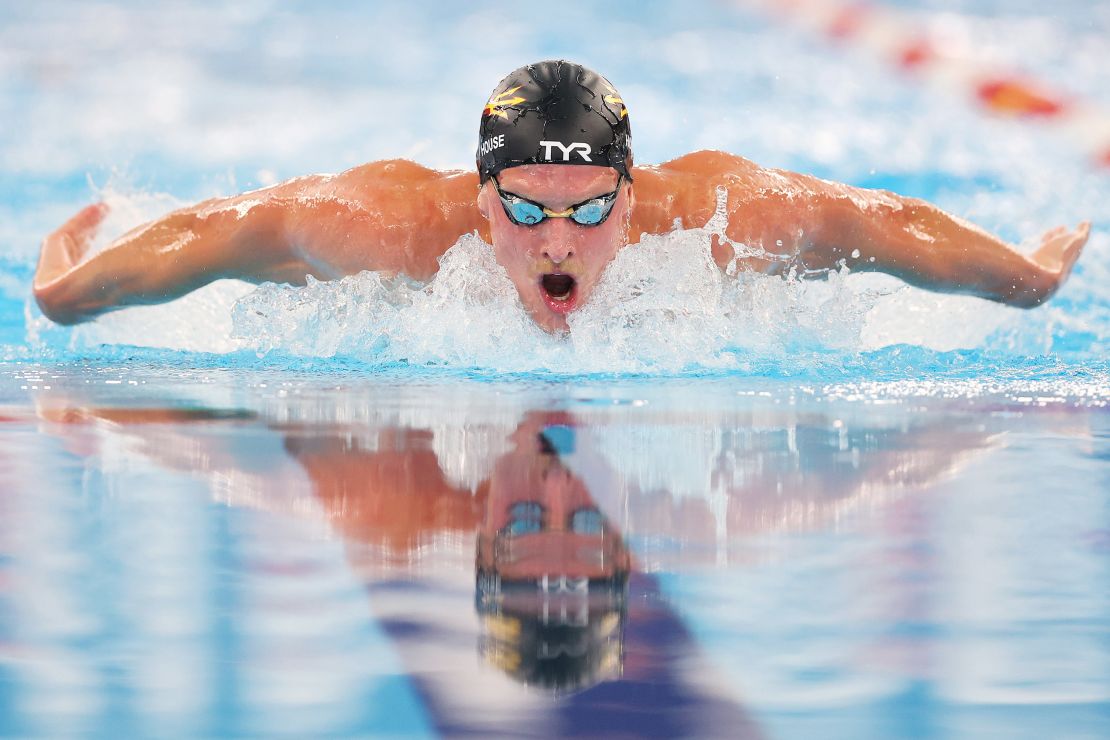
[
  {"x": 685, "y": 189},
  {"x": 691, "y": 181},
  {"x": 398, "y": 176},
  {"x": 706, "y": 164},
  {"x": 393, "y": 170},
  {"x": 710, "y": 160}
]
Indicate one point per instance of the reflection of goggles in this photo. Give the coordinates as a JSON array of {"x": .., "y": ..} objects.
[
  {"x": 527, "y": 517},
  {"x": 524, "y": 212}
]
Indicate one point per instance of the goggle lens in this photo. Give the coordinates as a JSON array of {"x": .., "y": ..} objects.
[
  {"x": 525, "y": 213},
  {"x": 592, "y": 213}
]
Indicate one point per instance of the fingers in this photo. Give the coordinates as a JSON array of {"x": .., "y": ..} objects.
[
  {"x": 1075, "y": 246},
  {"x": 1084, "y": 230},
  {"x": 1051, "y": 251},
  {"x": 1060, "y": 252},
  {"x": 75, "y": 235},
  {"x": 66, "y": 246},
  {"x": 1053, "y": 233},
  {"x": 55, "y": 257},
  {"x": 71, "y": 249},
  {"x": 1061, "y": 241},
  {"x": 82, "y": 226}
]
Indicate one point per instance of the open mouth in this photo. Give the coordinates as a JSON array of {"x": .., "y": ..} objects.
[
  {"x": 557, "y": 286},
  {"x": 560, "y": 291}
]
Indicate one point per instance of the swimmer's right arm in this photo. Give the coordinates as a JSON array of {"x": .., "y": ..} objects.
[{"x": 388, "y": 216}]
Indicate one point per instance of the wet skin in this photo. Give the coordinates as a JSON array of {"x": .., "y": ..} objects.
[
  {"x": 399, "y": 217},
  {"x": 556, "y": 246}
]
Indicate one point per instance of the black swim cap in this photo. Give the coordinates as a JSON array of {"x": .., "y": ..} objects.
[{"x": 554, "y": 112}]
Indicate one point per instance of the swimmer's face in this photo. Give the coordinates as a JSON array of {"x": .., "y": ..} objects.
[
  {"x": 556, "y": 264},
  {"x": 540, "y": 517}
]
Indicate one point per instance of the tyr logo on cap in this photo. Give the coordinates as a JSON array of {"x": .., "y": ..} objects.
[
  {"x": 581, "y": 147},
  {"x": 553, "y": 112}
]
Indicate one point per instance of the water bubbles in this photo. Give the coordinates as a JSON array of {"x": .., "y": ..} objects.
[
  {"x": 662, "y": 305},
  {"x": 469, "y": 311}
]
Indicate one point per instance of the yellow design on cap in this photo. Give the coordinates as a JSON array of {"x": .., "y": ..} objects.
[
  {"x": 496, "y": 105},
  {"x": 614, "y": 100}
]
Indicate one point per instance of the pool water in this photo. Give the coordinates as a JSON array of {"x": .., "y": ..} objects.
[
  {"x": 723, "y": 506},
  {"x": 211, "y": 551}
]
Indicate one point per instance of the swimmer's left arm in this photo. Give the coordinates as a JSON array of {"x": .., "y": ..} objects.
[
  {"x": 931, "y": 249},
  {"x": 916, "y": 241}
]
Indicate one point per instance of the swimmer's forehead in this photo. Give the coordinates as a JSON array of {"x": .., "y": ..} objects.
[{"x": 554, "y": 183}]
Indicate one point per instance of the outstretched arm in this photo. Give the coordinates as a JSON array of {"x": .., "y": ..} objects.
[
  {"x": 793, "y": 221},
  {"x": 160, "y": 260},
  {"x": 906, "y": 237},
  {"x": 392, "y": 216},
  {"x": 926, "y": 247}
]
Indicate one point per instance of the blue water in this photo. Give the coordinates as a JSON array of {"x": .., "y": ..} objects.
[
  {"x": 214, "y": 551},
  {"x": 854, "y": 509}
]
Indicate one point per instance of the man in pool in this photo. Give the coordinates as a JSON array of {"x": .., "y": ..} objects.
[{"x": 555, "y": 199}]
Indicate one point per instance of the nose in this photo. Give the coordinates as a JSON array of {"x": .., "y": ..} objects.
[
  {"x": 558, "y": 256},
  {"x": 559, "y": 238},
  {"x": 558, "y": 251}
]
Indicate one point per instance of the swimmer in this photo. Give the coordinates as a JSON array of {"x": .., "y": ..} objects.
[{"x": 557, "y": 198}]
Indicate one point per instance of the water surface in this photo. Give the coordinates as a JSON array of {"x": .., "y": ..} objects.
[{"x": 209, "y": 551}]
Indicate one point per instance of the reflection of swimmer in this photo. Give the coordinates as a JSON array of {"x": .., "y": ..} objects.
[
  {"x": 551, "y": 574},
  {"x": 539, "y": 512},
  {"x": 561, "y": 608},
  {"x": 615, "y": 653},
  {"x": 629, "y": 662},
  {"x": 553, "y": 228}
]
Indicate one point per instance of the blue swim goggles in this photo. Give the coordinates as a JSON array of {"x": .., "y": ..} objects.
[{"x": 524, "y": 212}]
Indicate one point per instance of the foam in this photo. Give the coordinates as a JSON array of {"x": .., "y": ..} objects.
[{"x": 662, "y": 306}]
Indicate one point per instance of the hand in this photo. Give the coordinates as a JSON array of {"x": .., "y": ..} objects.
[
  {"x": 1059, "y": 250},
  {"x": 68, "y": 245}
]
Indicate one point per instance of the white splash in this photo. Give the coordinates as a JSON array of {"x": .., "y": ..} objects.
[
  {"x": 662, "y": 306},
  {"x": 468, "y": 315}
]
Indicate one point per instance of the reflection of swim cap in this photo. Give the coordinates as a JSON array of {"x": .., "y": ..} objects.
[
  {"x": 556, "y": 649},
  {"x": 554, "y": 112}
]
